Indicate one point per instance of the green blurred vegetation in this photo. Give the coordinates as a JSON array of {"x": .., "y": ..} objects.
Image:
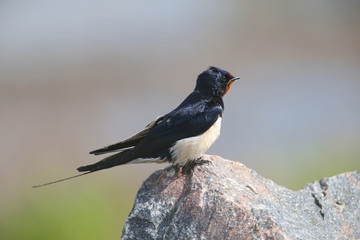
[
  {"x": 91, "y": 212},
  {"x": 297, "y": 172},
  {"x": 97, "y": 211}
]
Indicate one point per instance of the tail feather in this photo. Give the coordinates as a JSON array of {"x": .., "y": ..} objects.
[
  {"x": 108, "y": 162},
  {"x": 60, "y": 180},
  {"x": 111, "y": 161}
]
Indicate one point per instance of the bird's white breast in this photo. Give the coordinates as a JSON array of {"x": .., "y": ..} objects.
[{"x": 192, "y": 148}]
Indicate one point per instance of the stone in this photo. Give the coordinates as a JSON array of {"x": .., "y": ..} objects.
[{"x": 226, "y": 200}]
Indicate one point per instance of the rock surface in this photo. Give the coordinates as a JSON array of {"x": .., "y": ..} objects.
[{"x": 226, "y": 200}]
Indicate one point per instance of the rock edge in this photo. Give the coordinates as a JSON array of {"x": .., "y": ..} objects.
[{"x": 227, "y": 200}]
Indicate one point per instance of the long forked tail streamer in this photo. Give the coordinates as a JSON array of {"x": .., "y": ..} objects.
[{"x": 61, "y": 180}]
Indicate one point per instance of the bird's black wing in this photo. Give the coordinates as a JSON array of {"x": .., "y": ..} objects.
[
  {"x": 183, "y": 122},
  {"x": 130, "y": 142}
]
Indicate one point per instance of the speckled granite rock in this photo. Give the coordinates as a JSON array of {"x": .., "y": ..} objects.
[{"x": 226, "y": 200}]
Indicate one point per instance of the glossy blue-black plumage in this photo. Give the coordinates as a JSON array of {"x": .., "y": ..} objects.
[{"x": 194, "y": 116}]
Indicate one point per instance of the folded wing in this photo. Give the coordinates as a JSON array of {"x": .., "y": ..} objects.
[
  {"x": 127, "y": 143},
  {"x": 184, "y": 123}
]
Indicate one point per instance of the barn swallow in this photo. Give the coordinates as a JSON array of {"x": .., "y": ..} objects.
[{"x": 179, "y": 137}]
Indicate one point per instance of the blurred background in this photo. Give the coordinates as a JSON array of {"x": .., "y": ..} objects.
[{"x": 79, "y": 75}]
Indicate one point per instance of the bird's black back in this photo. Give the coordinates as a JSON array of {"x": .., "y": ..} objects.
[{"x": 196, "y": 114}]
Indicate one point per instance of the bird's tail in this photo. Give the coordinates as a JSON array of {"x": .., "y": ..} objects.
[{"x": 108, "y": 162}]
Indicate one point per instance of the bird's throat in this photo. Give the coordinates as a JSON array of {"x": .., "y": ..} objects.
[{"x": 229, "y": 86}]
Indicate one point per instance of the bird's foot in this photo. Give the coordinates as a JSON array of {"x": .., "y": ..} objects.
[
  {"x": 201, "y": 161},
  {"x": 190, "y": 166},
  {"x": 177, "y": 168}
]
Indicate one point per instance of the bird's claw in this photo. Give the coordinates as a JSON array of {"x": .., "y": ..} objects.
[{"x": 190, "y": 166}]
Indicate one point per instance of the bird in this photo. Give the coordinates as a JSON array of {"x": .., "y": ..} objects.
[{"x": 179, "y": 137}]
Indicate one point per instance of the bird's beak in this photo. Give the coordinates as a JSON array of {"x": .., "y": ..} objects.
[
  {"x": 230, "y": 82},
  {"x": 234, "y": 79}
]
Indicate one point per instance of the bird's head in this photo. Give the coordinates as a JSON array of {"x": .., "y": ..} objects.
[{"x": 215, "y": 81}]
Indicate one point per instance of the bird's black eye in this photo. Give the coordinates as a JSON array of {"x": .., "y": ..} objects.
[{"x": 223, "y": 78}]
